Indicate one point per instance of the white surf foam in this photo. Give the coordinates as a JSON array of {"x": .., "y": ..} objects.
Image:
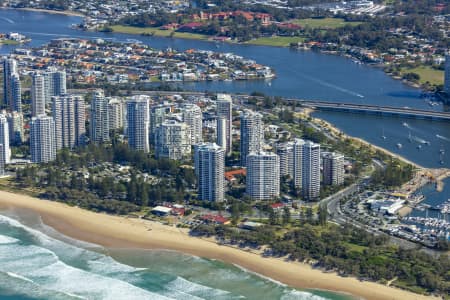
[
  {"x": 4, "y": 239},
  {"x": 42, "y": 265},
  {"x": 61, "y": 277},
  {"x": 19, "y": 277},
  {"x": 301, "y": 295},
  {"x": 194, "y": 290}
]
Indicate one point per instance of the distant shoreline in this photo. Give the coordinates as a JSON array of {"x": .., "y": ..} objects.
[
  {"x": 49, "y": 11},
  {"x": 127, "y": 29},
  {"x": 120, "y": 232}
]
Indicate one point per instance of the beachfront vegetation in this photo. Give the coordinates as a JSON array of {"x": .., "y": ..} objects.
[
  {"x": 346, "y": 250},
  {"x": 86, "y": 178}
]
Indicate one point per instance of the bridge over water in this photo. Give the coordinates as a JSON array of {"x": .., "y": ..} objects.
[
  {"x": 391, "y": 111},
  {"x": 405, "y": 112}
]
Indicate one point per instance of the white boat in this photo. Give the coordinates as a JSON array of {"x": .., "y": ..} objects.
[
  {"x": 383, "y": 136},
  {"x": 399, "y": 146}
]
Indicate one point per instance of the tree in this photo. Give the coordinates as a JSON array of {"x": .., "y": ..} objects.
[
  {"x": 272, "y": 216},
  {"x": 235, "y": 215},
  {"x": 323, "y": 214},
  {"x": 286, "y": 215},
  {"x": 309, "y": 215}
]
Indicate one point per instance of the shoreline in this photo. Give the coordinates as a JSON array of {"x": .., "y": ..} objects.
[
  {"x": 326, "y": 52},
  {"x": 211, "y": 39},
  {"x": 337, "y": 131},
  {"x": 48, "y": 11},
  {"x": 121, "y": 232}
]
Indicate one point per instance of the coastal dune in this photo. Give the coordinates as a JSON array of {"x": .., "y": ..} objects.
[{"x": 120, "y": 232}]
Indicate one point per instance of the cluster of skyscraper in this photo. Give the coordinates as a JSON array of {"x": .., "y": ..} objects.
[
  {"x": 299, "y": 159},
  {"x": 11, "y": 122},
  {"x": 64, "y": 126},
  {"x": 172, "y": 137},
  {"x": 170, "y": 134}
]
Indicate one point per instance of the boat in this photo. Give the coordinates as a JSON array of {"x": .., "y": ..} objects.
[
  {"x": 382, "y": 135},
  {"x": 399, "y": 146},
  {"x": 405, "y": 124},
  {"x": 409, "y": 137},
  {"x": 419, "y": 147},
  {"x": 134, "y": 41}
]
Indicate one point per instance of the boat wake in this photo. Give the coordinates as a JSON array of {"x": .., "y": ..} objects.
[
  {"x": 7, "y": 20},
  {"x": 419, "y": 140},
  {"x": 333, "y": 86},
  {"x": 442, "y": 137},
  {"x": 46, "y": 34}
]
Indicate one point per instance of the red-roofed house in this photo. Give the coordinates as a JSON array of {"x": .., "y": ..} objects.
[
  {"x": 189, "y": 27},
  {"x": 215, "y": 219},
  {"x": 230, "y": 176},
  {"x": 265, "y": 18},
  {"x": 277, "y": 206}
]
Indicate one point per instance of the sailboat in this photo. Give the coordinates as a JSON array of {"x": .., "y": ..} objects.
[
  {"x": 409, "y": 137},
  {"x": 382, "y": 135}
]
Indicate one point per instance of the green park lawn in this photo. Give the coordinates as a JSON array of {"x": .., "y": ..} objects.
[
  {"x": 9, "y": 42},
  {"x": 277, "y": 41},
  {"x": 157, "y": 32},
  {"x": 325, "y": 23},
  {"x": 427, "y": 74}
]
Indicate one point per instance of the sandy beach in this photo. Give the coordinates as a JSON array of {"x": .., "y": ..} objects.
[{"x": 120, "y": 232}]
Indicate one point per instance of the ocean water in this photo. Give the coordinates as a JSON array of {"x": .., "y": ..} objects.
[{"x": 36, "y": 262}]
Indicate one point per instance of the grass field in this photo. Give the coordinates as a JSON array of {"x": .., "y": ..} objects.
[
  {"x": 325, "y": 23},
  {"x": 158, "y": 32},
  {"x": 434, "y": 77},
  {"x": 9, "y": 42},
  {"x": 277, "y": 41}
]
